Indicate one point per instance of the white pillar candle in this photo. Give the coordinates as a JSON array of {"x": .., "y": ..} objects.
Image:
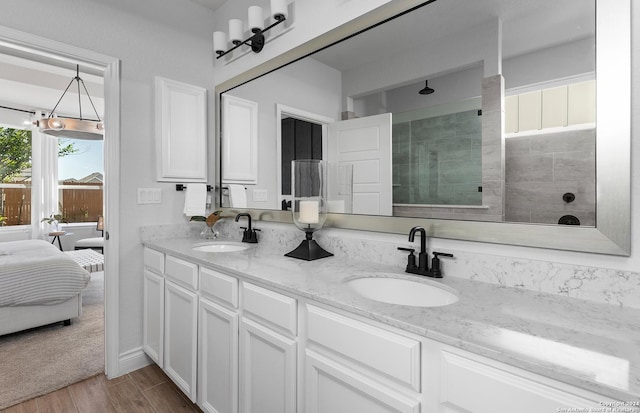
[
  {"x": 309, "y": 212},
  {"x": 279, "y": 7},
  {"x": 256, "y": 19},
  {"x": 235, "y": 31},
  {"x": 219, "y": 42}
]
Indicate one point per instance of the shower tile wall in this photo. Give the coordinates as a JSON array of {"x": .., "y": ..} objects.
[
  {"x": 541, "y": 168},
  {"x": 438, "y": 160}
]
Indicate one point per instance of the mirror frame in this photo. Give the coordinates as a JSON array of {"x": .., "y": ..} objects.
[{"x": 612, "y": 234}]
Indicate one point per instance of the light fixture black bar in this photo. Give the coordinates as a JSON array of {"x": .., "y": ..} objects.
[
  {"x": 257, "y": 40},
  {"x": 18, "y": 110},
  {"x": 77, "y": 78},
  {"x": 90, "y": 100}
]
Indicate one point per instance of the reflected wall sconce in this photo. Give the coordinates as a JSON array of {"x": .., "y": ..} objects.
[{"x": 256, "y": 41}]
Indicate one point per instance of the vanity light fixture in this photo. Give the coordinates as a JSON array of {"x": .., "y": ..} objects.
[
  {"x": 76, "y": 128},
  {"x": 256, "y": 41}
]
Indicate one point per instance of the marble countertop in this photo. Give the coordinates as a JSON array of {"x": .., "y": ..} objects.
[{"x": 589, "y": 345}]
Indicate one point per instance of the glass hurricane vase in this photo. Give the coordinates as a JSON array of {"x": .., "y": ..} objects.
[{"x": 309, "y": 205}]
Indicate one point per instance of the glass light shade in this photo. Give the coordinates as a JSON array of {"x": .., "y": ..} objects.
[
  {"x": 72, "y": 128},
  {"x": 219, "y": 42},
  {"x": 235, "y": 31},
  {"x": 279, "y": 8},
  {"x": 256, "y": 19},
  {"x": 56, "y": 124},
  {"x": 309, "y": 205}
]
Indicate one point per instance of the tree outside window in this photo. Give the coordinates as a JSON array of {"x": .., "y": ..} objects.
[
  {"x": 80, "y": 197},
  {"x": 15, "y": 176}
]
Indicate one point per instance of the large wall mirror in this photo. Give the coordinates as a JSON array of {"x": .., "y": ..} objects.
[{"x": 503, "y": 121}]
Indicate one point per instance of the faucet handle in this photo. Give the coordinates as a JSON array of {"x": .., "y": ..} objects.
[
  {"x": 412, "y": 250},
  {"x": 250, "y": 236},
  {"x": 411, "y": 259},
  {"x": 435, "y": 263}
]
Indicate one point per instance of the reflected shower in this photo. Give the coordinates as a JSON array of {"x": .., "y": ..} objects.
[{"x": 427, "y": 90}]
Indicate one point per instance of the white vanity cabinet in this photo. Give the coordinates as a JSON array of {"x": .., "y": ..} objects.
[
  {"x": 459, "y": 381},
  {"x": 218, "y": 342},
  {"x": 268, "y": 351},
  {"x": 181, "y": 324},
  {"x": 153, "y": 306},
  {"x": 238, "y": 347},
  {"x": 352, "y": 366},
  {"x": 170, "y": 315}
]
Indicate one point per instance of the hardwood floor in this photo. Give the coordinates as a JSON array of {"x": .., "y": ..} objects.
[{"x": 146, "y": 390}]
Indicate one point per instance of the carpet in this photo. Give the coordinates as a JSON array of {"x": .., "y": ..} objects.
[{"x": 48, "y": 358}]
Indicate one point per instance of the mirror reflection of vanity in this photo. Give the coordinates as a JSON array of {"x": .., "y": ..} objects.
[{"x": 501, "y": 149}]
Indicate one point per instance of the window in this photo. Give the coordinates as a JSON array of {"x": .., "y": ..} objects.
[
  {"x": 80, "y": 179},
  {"x": 15, "y": 176}
]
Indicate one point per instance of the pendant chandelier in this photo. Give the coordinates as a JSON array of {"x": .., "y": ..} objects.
[{"x": 69, "y": 127}]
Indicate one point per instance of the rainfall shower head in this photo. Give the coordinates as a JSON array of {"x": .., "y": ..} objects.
[{"x": 427, "y": 90}]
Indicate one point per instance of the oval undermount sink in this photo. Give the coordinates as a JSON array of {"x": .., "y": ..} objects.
[
  {"x": 401, "y": 291},
  {"x": 221, "y": 246}
]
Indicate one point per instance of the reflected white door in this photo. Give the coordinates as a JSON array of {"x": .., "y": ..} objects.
[{"x": 365, "y": 143}]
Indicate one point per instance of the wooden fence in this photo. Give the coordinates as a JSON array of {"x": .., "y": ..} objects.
[{"x": 78, "y": 202}]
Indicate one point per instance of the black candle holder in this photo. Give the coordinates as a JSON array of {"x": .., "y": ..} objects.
[{"x": 309, "y": 249}]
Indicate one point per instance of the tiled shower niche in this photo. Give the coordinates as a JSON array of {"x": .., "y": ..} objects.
[{"x": 437, "y": 160}]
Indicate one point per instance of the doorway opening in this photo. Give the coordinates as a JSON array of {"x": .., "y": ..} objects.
[
  {"x": 36, "y": 51},
  {"x": 300, "y": 135}
]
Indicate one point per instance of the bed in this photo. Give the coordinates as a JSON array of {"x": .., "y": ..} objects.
[{"x": 39, "y": 285}]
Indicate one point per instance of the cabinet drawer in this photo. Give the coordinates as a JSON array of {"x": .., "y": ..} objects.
[
  {"x": 471, "y": 383},
  {"x": 270, "y": 307},
  {"x": 393, "y": 355},
  {"x": 154, "y": 260},
  {"x": 220, "y": 287},
  {"x": 182, "y": 272}
]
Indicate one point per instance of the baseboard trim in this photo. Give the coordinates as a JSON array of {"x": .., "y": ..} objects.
[{"x": 132, "y": 360}]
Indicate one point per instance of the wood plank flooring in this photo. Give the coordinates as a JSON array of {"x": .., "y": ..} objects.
[{"x": 147, "y": 390}]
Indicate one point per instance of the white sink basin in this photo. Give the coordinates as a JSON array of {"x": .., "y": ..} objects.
[
  {"x": 402, "y": 291},
  {"x": 221, "y": 246}
]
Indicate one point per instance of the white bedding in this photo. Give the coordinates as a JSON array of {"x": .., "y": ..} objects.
[{"x": 34, "y": 272}]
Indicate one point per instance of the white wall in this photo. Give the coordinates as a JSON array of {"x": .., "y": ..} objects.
[
  {"x": 309, "y": 23},
  {"x": 570, "y": 60},
  {"x": 169, "y": 39},
  {"x": 567, "y": 60},
  {"x": 311, "y": 18}
]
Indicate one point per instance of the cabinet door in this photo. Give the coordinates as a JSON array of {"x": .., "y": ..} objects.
[
  {"x": 181, "y": 127},
  {"x": 218, "y": 358},
  {"x": 180, "y": 328},
  {"x": 153, "y": 316},
  {"x": 267, "y": 370},
  {"x": 330, "y": 387},
  {"x": 239, "y": 144}
]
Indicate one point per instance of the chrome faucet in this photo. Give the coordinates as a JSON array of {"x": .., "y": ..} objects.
[
  {"x": 423, "y": 268},
  {"x": 249, "y": 235}
]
